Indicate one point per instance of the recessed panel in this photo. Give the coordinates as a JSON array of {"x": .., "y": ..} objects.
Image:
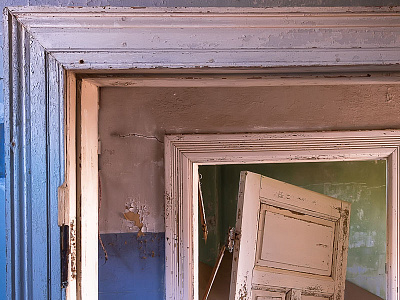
[
  {"x": 267, "y": 295},
  {"x": 296, "y": 242},
  {"x": 305, "y": 297}
]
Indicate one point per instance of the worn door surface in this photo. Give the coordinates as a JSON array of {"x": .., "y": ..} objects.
[{"x": 291, "y": 242}]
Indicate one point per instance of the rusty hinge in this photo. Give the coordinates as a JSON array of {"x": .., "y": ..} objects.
[
  {"x": 232, "y": 237},
  {"x": 64, "y": 240}
]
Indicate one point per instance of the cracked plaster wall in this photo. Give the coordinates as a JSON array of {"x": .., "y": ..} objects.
[{"x": 132, "y": 167}]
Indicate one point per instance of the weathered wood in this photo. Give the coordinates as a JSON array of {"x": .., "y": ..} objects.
[
  {"x": 34, "y": 138},
  {"x": 294, "y": 295},
  {"x": 261, "y": 79},
  {"x": 293, "y": 235},
  {"x": 68, "y": 208},
  {"x": 184, "y": 152},
  {"x": 88, "y": 190},
  {"x": 56, "y": 168},
  {"x": 217, "y": 37},
  {"x": 242, "y": 268}
]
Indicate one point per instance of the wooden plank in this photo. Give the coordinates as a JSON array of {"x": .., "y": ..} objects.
[
  {"x": 32, "y": 234},
  {"x": 150, "y": 58},
  {"x": 55, "y": 157},
  {"x": 88, "y": 191},
  {"x": 393, "y": 206},
  {"x": 247, "y": 226},
  {"x": 68, "y": 205},
  {"x": 301, "y": 200},
  {"x": 203, "y": 80},
  {"x": 37, "y": 135},
  {"x": 277, "y": 278},
  {"x": 221, "y": 37}
]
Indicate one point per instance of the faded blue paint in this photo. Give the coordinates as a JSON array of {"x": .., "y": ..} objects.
[
  {"x": 135, "y": 267},
  {"x": 2, "y": 241},
  {"x": 2, "y": 217}
]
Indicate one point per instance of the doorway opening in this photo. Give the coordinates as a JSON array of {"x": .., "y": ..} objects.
[{"x": 362, "y": 183}]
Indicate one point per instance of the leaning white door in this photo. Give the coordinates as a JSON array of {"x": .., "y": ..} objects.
[{"x": 291, "y": 243}]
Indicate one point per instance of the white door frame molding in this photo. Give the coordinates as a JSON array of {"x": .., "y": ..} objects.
[
  {"x": 42, "y": 43},
  {"x": 183, "y": 154}
]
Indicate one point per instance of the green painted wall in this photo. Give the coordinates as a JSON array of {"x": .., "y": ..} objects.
[{"x": 361, "y": 183}]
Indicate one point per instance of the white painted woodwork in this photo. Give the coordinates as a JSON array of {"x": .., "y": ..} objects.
[
  {"x": 88, "y": 192},
  {"x": 69, "y": 206},
  {"x": 187, "y": 151},
  {"x": 266, "y": 295},
  {"x": 104, "y": 39},
  {"x": 298, "y": 236},
  {"x": 123, "y": 38},
  {"x": 293, "y": 294},
  {"x": 292, "y": 231},
  {"x": 255, "y": 79}
]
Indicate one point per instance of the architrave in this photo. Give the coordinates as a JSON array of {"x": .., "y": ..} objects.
[{"x": 183, "y": 154}]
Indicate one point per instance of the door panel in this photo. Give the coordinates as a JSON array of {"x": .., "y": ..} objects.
[
  {"x": 265, "y": 295},
  {"x": 289, "y": 239},
  {"x": 296, "y": 231}
]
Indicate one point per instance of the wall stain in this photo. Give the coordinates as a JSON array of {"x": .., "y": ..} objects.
[{"x": 135, "y": 217}]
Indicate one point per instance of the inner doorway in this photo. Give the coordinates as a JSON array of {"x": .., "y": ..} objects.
[{"x": 363, "y": 183}]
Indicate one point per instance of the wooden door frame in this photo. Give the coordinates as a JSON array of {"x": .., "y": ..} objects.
[
  {"x": 184, "y": 153},
  {"x": 42, "y": 81}
]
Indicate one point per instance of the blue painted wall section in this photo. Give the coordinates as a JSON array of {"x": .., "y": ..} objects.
[{"x": 135, "y": 267}]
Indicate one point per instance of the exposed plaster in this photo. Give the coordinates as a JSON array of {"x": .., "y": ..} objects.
[{"x": 136, "y": 214}]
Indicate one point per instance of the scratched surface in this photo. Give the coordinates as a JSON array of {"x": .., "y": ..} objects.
[{"x": 361, "y": 183}]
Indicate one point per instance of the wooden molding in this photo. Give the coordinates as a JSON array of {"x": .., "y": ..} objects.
[
  {"x": 123, "y": 38},
  {"x": 183, "y": 153}
]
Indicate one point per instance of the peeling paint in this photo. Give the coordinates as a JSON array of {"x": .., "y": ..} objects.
[
  {"x": 135, "y": 217},
  {"x": 73, "y": 249},
  {"x": 136, "y": 214}
]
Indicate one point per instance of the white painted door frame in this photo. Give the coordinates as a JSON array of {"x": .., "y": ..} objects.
[
  {"x": 39, "y": 65},
  {"x": 183, "y": 154}
]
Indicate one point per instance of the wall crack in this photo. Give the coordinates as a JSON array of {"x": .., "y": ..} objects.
[{"x": 133, "y": 134}]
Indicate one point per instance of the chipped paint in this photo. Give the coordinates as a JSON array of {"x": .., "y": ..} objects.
[
  {"x": 134, "y": 213},
  {"x": 135, "y": 217},
  {"x": 73, "y": 249}
]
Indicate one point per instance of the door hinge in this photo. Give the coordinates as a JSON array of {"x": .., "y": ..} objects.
[
  {"x": 233, "y": 235},
  {"x": 64, "y": 240}
]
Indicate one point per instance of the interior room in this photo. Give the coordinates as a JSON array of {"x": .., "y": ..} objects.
[
  {"x": 362, "y": 183},
  {"x": 133, "y": 122}
]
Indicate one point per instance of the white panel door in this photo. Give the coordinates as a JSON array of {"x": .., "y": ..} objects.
[{"x": 291, "y": 242}]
